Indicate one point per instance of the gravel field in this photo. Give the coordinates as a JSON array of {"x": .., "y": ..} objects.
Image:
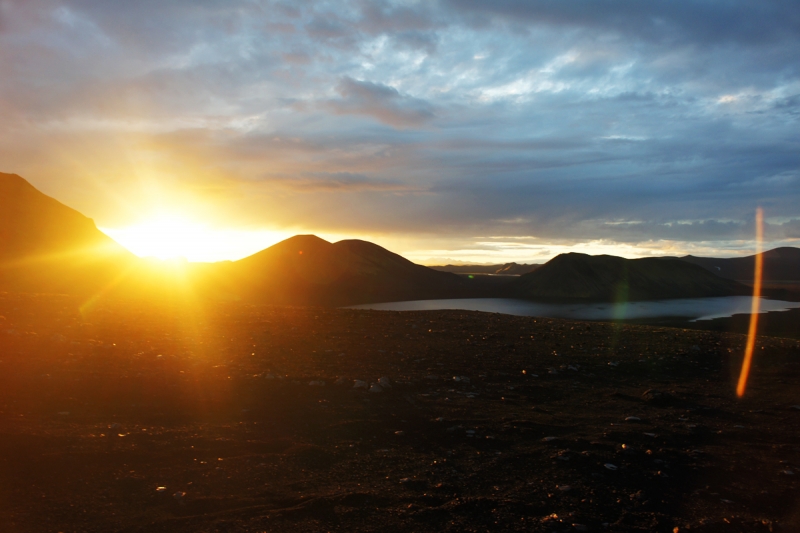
[{"x": 197, "y": 417}]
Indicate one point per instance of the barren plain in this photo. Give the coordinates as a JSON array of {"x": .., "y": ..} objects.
[{"x": 192, "y": 417}]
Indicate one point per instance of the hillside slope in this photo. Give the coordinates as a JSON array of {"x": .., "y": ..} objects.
[
  {"x": 46, "y": 246},
  {"x": 575, "y": 276}
]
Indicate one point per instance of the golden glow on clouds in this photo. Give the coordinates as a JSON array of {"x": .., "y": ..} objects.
[
  {"x": 502, "y": 251},
  {"x": 170, "y": 236}
]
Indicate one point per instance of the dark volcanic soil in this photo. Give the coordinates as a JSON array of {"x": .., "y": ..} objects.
[{"x": 143, "y": 418}]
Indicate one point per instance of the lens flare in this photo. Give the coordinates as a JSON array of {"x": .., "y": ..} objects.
[{"x": 754, "y": 308}]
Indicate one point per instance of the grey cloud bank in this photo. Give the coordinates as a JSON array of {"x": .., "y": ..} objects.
[{"x": 651, "y": 124}]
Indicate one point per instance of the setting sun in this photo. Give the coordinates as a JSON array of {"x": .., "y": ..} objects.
[{"x": 171, "y": 237}]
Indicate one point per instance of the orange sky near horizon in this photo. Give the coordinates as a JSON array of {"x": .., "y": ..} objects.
[{"x": 167, "y": 236}]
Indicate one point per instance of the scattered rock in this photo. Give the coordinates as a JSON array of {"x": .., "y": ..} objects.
[
  {"x": 358, "y": 384},
  {"x": 610, "y": 466},
  {"x": 652, "y": 395},
  {"x": 375, "y": 388}
]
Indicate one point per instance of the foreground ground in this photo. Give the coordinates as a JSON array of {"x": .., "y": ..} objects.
[{"x": 142, "y": 418}]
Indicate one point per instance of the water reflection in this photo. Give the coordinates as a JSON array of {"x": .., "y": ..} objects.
[{"x": 691, "y": 308}]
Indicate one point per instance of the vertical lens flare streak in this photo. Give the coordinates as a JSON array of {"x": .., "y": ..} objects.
[{"x": 751, "y": 334}]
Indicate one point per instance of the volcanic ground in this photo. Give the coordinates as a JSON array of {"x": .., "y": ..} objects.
[{"x": 195, "y": 417}]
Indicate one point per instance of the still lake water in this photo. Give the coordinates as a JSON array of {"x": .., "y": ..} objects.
[{"x": 692, "y": 308}]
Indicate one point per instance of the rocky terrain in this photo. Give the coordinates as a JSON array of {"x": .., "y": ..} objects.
[{"x": 187, "y": 417}]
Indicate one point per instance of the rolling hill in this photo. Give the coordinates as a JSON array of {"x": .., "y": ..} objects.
[
  {"x": 780, "y": 264},
  {"x": 575, "y": 276},
  {"x": 308, "y": 270}
]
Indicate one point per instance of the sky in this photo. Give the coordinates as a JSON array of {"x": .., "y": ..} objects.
[{"x": 444, "y": 130}]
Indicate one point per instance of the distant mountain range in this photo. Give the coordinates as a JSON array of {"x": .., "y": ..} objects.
[
  {"x": 46, "y": 246},
  {"x": 507, "y": 269}
]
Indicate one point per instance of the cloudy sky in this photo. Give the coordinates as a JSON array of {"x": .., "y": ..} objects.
[{"x": 453, "y": 129}]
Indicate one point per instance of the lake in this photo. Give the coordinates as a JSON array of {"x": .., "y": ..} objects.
[{"x": 691, "y": 308}]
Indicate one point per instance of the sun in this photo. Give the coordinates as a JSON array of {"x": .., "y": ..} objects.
[
  {"x": 163, "y": 237},
  {"x": 168, "y": 237}
]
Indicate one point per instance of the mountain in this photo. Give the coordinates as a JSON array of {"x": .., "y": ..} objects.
[
  {"x": 46, "y": 246},
  {"x": 308, "y": 270},
  {"x": 507, "y": 269},
  {"x": 575, "y": 276},
  {"x": 780, "y": 264}
]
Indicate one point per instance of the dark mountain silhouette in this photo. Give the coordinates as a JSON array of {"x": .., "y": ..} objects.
[
  {"x": 308, "y": 270},
  {"x": 507, "y": 269},
  {"x": 780, "y": 264},
  {"x": 577, "y": 276},
  {"x": 46, "y": 246}
]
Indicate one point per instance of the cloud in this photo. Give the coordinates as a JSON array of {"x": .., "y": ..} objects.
[
  {"x": 701, "y": 21},
  {"x": 791, "y": 229},
  {"x": 381, "y": 102},
  {"x": 340, "y": 182},
  {"x": 630, "y": 122}
]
